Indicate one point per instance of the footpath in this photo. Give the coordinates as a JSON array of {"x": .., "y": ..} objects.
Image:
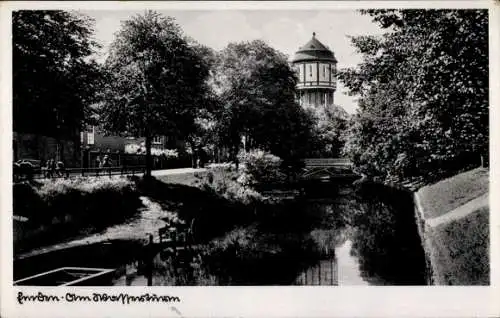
[
  {"x": 453, "y": 221},
  {"x": 149, "y": 220}
]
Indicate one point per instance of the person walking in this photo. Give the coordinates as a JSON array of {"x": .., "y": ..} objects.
[
  {"x": 106, "y": 164},
  {"x": 60, "y": 168},
  {"x": 52, "y": 167},
  {"x": 46, "y": 169},
  {"x": 97, "y": 165}
]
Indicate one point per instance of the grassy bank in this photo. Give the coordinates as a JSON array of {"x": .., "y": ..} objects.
[
  {"x": 461, "y": 250},
  {"x": 456, "y": 233},
  {"x": 450, "y": 193},
  {"x": 59, "y": 209}
]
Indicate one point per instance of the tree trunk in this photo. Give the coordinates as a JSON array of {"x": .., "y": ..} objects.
[
  {"x": 235, "y": 156},
  {"x": 148, "y": 156}
]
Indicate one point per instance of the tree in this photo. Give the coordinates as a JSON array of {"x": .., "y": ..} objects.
[
  {"x": 330, "y": 129},
  {"x": 423, "y": 98},
  {"x": 157, "y": 81},
  {"x": 256, "y": 87},
  {"x": 201, "y": 138},
  {"x": 54, "y": 79}
]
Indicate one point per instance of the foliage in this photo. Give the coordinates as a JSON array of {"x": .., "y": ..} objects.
[
  {"x": 141, "y": 149},
  {"x": 329, "y": 132},
  {"x": 227, "y": 183},
  {"x": 423, "y": 99},
  {"x": 54, "y": 80},
  {"x": 256, "y": 89},
  {"x": 202, "y": 138},
  {"x": 156, "y": 83},
  {"x": 260, "y": 167}
]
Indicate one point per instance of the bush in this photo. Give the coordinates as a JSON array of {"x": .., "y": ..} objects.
[
  {"x": 260, "y": 167},
  {"x": 227, "y": 182}
]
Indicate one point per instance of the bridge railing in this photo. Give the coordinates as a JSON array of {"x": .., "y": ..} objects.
[{"x": 327, "y": 162}]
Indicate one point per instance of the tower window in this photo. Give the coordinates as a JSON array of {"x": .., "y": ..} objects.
[
  {"x": 310, "y": 71},
  {"x": 324, "y": 71}
]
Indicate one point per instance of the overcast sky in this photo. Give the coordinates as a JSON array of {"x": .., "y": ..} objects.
[{"x": 285, "y": 30}]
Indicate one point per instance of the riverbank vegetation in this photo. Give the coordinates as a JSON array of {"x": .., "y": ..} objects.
[
  {"x": 63, "y": 208},
  {"x": 461, "y": 250},
  {"x": 448, "y": 194},
  {"x": 458, "y": 245},
  {"x": 423, "y": 106}
]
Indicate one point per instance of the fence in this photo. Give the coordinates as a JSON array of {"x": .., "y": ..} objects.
[{"x": 43, "y": 173}]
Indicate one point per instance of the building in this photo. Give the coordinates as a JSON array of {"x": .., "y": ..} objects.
[
  {"x": 37, "y": 146},
  {"x": 120, "y": 149},
  {"x": 316, "y": 67}
]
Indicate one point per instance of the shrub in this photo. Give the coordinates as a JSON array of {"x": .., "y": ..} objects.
[
  {"x": 260, "y": 167},
  {"x": 227, "y": 182}
]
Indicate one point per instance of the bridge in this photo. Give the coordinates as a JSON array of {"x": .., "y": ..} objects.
[{"x": 327, "y": 168}]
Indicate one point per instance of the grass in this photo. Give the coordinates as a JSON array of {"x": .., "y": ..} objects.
[
  {"x": 188, "y": 178},
  {"x": 448, "y": 194},
  {"x": 460, "y": 250},
  {"x": 65, "y": 208}
]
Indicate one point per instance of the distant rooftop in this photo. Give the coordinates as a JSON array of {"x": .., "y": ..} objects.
[{"x": 314, "y": 50}]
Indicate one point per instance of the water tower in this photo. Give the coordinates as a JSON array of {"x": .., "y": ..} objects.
[{"x": 316, "y": 66}]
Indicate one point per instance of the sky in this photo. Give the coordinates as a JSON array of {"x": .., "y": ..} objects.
[{"x": 285, "y": 30}]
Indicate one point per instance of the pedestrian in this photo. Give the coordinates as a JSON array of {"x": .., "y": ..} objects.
[
  {"x": 52, "y": 167},
  {"x": 106, "y": 162},
  {"x": 46, "y": 169},
  {"x": 97, "y": 165},
  {"x": 60, "y": 168}
]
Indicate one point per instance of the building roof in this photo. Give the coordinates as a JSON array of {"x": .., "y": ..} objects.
[{"x": 314, "y": 50}]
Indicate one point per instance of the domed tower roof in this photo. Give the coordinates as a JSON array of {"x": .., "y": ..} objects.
[{"x": 314, "y": 50}]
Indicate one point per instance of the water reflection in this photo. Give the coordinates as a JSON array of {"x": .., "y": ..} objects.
[
  {"x": 373, "y": 235},
  {"x": 349, "y": 272}
]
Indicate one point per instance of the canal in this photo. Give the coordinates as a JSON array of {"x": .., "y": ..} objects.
[{"x": 334, "y": 235}]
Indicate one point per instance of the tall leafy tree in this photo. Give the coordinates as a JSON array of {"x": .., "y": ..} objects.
[
  {"x": 157, "y": 81},
  {"x": 423, "y": 97},
  {"x": 256, "y": 87},
  {"x": 329, "y": 130},
  {"x": 54, "y": 78}
]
